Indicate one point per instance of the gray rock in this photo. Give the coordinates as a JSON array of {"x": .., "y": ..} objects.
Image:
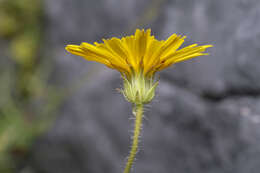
[
  {"x": 205, "y": 118},
  {"x": 232, "y": 28},
  {"x": 193, "y": 135}
]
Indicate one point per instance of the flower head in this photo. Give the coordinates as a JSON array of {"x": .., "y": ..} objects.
[{"x": 138, "y": 57}]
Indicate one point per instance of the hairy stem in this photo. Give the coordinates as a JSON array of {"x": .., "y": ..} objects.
[{"x": 138, "y": 123}]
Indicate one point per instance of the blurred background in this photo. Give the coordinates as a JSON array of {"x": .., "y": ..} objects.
[{"x": 62, "y": 114}]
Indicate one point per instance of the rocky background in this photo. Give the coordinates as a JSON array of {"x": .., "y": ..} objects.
[{"x": 205, "y": 118}]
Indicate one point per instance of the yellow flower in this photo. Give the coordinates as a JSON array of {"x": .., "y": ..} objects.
[{"x": 138, "y": 57}]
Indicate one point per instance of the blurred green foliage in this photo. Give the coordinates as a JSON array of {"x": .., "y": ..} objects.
[
  {"x": 27, "y": 101},
  {"x": 21, "y": 23}
]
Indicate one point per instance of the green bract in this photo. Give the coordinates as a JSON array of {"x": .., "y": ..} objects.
[{"x": 139, "y": 90}]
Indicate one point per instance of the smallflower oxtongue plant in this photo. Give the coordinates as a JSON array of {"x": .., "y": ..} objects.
[{"x": 138, "y": 57}]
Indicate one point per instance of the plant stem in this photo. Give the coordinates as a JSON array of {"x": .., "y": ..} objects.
[{"x": 138, "y": 125}]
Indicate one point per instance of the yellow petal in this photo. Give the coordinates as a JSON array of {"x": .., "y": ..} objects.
[
  {"x": 171, "y": 45},
  {"x": 102, "y": 52},
  {"x": 77, "y": 50},
  {"x": 184, "y": 54},
  {"x": 164, "y": 48},
  {"x": 141, "y": 41},
  {"x": 151, "y": 59},
  {"x": 129, "y": 44}
]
